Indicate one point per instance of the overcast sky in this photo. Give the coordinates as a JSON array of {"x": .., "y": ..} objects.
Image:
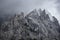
[{"x": 8, "y": 6}]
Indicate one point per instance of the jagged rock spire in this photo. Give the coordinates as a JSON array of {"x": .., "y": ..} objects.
[
  {"x": 33, "y": 14},
  {"x": 39, "y": 11},
  {"x": 43, "y": 13},
  {"x": 55, "y": 21}
]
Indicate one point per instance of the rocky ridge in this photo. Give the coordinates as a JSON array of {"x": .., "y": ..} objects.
[{"x": 34, "y": 26}]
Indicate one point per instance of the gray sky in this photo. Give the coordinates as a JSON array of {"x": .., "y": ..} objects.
[{"x": 8, "y": 6}]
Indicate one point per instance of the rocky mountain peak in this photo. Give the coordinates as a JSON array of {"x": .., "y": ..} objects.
[{"x": 30, "y": 27}]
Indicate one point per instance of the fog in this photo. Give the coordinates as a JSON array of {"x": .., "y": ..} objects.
[{"x": 16, "y": 6}]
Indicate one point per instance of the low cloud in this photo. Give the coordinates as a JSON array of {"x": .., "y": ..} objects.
[{"x": 16, "y": 6}]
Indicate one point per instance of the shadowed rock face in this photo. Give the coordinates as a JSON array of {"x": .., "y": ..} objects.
[{"x": 31, "y": 27}]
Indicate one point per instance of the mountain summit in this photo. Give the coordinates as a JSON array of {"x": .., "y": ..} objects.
[{"x": 37, "y": 25}]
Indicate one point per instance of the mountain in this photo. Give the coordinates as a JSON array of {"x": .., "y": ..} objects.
[{"x": 36, "y": 25}]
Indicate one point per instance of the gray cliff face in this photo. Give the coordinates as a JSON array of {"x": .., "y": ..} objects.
[{"x": 34, "y": 26}]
